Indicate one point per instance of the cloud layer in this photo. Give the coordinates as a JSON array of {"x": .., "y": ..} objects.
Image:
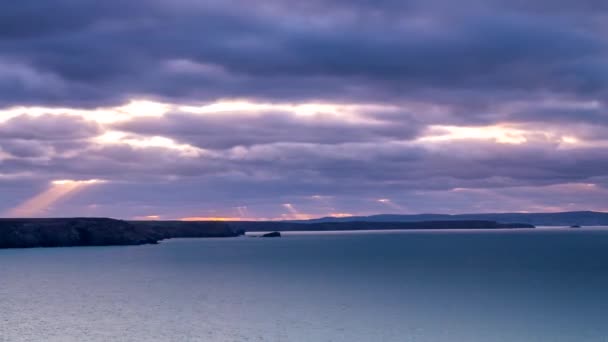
[{"x": 237, "y": 108}]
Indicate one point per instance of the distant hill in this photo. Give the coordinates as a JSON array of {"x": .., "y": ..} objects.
[
  {"x": 257, "y": 226},
  {"x": 583, "y": 218}
]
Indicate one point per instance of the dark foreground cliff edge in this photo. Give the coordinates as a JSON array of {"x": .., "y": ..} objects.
[{"x": 66, "y": 232}]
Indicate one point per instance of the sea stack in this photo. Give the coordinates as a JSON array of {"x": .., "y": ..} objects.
[{"x": 271, "y": 235}]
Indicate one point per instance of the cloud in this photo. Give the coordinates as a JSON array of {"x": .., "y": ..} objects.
[
  {"x": 24, "y": 148},
  {"x": 48, "y": 127},
  {"x": 272, "y": 102},
  {"x": 226, "y": 130},
  {"x": 291, "y": 154},
  {"x": 108, "y": 52},
  {"x": 26, "y": 136}
]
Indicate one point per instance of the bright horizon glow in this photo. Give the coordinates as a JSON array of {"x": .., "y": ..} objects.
[
  {"x": 341, "y": 215},
  {"x": 294, "y": 214},
  {"x": 214, "y": 218},
  {"x": 147, "y": 218}
]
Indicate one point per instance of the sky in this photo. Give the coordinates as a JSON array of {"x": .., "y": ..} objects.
[{"x": 184, "y": 109}]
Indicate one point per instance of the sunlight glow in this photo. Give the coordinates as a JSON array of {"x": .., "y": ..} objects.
[
  {"x": 389, "y": 203},
  {"x": 213, "y": 218},
  {"x": 144, "y": 108},
  {"x": 340, "y": 215},
  {"x": 59, "y": 190},
  {"x": 294, "y": 214},
  {"x": 115, "y": 137},
  {"x": 320, "y": 197},
  {"x": 348, "y": 112},
  {"x": 500, "y": 134},
  {"x": 135, "y": 108},
  {"x": 243, "y": 211},
  {"x": 147, "y": 218},
  {"x": 508, "y": 134},
  {"x": 570, "y": 140}
]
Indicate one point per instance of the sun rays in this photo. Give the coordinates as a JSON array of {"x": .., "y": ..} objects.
[{"x": 59, "y": 190}]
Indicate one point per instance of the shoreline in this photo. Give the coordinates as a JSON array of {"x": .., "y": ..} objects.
[{"x": 72, "y": 232}]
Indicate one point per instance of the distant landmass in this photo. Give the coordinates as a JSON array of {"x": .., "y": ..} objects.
[
  {"x": 66, "y": 232},
  {"x": 63, "y": 232},
  {"x": 572, "y": 218},
  {"x": 257, "y": 226}
]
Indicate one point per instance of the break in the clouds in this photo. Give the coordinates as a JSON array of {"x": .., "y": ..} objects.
[{"x": 285, "y": 109}]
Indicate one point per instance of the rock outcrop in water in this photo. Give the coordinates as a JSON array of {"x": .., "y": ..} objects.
[
  {"x": 65, "y": 232},
  {"x": 271, "y": 235}
]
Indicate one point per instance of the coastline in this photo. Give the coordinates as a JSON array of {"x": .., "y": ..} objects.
[{"x": 69, "y": 232}]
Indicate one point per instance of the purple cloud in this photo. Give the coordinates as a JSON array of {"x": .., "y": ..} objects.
[{"x": 485, "y": 106}]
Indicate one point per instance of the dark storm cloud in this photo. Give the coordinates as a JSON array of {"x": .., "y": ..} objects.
[
  {"x": 26, "y": 136},
  {"x": 395, "y": 164},
  {"x": 24, "y": 148},
  {"x": 593, "y": 116},
  {"x": 107, "y": 51},
  {"x": 48, "y": 127}
]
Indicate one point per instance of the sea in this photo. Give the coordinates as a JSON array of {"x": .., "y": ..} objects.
[{"x": 544, "y": 284}]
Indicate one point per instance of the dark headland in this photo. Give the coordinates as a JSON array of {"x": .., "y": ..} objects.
[{"x": 65, "y": 232}]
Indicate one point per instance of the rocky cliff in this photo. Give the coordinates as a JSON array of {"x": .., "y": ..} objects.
[{"x": 64, "y": 232}]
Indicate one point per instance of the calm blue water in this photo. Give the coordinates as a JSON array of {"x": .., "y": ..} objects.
[{"x": 524, "y": 285}]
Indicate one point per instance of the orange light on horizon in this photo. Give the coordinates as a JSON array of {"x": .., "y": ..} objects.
[
  {"x": 204, "y": 218},
  {"x": 340, "y": 215},
  {"x": 148, "y": 218}
]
